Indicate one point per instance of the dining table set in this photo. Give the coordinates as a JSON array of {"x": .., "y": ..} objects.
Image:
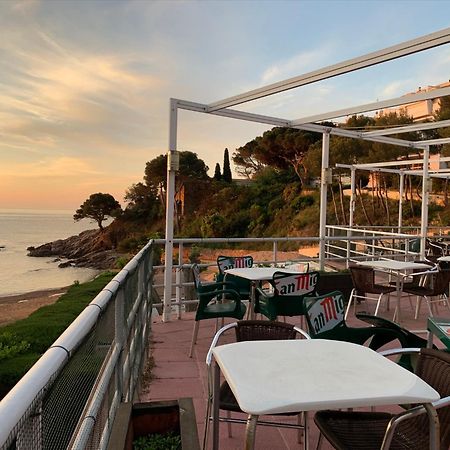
[{"x": 269, "y": 377}]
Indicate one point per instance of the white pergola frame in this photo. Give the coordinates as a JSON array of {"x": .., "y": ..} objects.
[{"x": 223, "y": 108}]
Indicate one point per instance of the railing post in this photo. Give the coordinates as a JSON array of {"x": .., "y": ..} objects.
[
  {"x": 179, "y": 279},
  {"x": 324, "y": 181},
  {"x": 275, "y": 251},
  {"x": 119, "y": 336}
]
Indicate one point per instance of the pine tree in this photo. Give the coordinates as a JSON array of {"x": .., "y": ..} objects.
[
  {"x": 217, "y": 174},
  {"x": 226, "y": 176}
]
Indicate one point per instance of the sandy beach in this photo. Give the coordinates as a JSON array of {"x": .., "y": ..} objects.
[{"x": 16, "y": 307}]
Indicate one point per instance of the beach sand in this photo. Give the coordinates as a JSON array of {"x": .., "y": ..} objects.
[{"x": 20, "y": 306}]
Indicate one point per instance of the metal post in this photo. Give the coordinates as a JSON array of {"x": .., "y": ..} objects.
[
  {"x": 179, "y": 279},
  {"x": 352, "y": 210},
  {"x": 325, "y": 180},
  {"x": 275, "y": 251},
  {"x": 426, "y": 181},
  {"x": 172, "y": 167},
  {"x": 400, "y": 201}
]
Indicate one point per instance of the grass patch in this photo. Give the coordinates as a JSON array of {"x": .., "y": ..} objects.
[{"x": 29, "y": 338}]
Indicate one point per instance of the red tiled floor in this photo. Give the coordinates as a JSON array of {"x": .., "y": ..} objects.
[{"x": 176, "y": 375}]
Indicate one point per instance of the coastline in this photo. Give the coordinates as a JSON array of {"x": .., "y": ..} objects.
[{"x": 19, "y": 306}]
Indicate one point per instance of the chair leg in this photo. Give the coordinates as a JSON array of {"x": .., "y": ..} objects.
[
  {"x": 349, "y": 304},
  {"x": 194, "y": 337},
  {"x": 319, "y": 441},
  {"x": 378, "y": 305},
  {"x": 207, "y": 420},
  {"x": 230, "y": 435},
  {"x": 430, "y": 310},
  {"x": 418, "y": 305}
]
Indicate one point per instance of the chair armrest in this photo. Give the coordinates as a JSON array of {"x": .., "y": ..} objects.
[
  {"x": 302, "y": 332},
  {"x": 399, "y": 351}
]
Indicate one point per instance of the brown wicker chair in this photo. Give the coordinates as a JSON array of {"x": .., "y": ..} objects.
[
  {"x": 428, "y": 284},
  {"x": 250, "y": 330},
  {"x": 409, "y": 430},
  {"x": 363, "y": 284}
]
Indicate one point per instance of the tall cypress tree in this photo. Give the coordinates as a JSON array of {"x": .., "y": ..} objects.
[
  {"x": 217, "y": 174},
  {"x": 226, "y": 167}
]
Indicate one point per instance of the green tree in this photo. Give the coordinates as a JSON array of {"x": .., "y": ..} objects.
[
  {"x": 217, "y": 174},
  {"x": 98, "y": 207},
  {"x": 226, "y": 167},
  {"x": 143, "y": 202},
  {"x": 281, "y": 148}
]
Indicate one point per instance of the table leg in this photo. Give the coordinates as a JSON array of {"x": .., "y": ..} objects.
[
  {"x": 215, "y": 406},
  {"x": 434, "y": 426},
  {"x": 252, "y": 302},
  {"x": 250, "y": 432}
]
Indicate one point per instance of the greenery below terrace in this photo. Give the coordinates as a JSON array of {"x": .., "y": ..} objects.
[{"x": 23, "y": 342}]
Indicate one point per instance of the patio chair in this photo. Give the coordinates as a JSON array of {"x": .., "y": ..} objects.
[
  {"x": 408, "y": 430},
  {"x": 250, "y": 330},
  {"x": 364, "y": 285},
  {"x": 241, "y": 285},
  {"x": 326, "y": 320},
  {"x": 428, "y": 284},
  {"x": 287, "y": 296},
  {"x": 410, "y": 340},
  {"x": 215, "y": 301}
]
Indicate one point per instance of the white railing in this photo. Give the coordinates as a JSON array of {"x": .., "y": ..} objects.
[{"x": 93, "y": 366}]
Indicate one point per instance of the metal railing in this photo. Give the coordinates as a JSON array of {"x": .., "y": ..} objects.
[{"x": 68, "y": 399}]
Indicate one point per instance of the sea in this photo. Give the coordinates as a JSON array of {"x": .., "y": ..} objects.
[{"x": 20, "y": 229}]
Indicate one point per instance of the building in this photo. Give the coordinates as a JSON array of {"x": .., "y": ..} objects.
[{"x": 421, "y": 110}]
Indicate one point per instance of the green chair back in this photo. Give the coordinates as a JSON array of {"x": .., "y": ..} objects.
[
  {"x": 325, "y": 313},
  {"x": 287, "y": 297}
]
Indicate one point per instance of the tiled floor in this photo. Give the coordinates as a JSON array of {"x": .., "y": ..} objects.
[{"x": 176, "y": 375}]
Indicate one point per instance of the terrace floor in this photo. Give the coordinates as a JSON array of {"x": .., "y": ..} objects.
[{"x": 175, "y": 375}]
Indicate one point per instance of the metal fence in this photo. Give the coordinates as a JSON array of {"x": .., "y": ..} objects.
[{"x": 68, "y": 399}]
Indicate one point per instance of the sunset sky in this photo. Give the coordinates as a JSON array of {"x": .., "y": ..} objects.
[{"x": 85, "y": 85}]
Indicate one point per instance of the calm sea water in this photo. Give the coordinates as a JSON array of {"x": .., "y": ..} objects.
[{"x": 20, "y": 229}]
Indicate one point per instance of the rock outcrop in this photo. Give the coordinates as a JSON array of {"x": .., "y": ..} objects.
[{"x": 91, "y": 248}]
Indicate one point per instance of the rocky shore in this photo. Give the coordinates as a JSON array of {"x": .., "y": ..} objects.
[{"x": 91, "y": 248}]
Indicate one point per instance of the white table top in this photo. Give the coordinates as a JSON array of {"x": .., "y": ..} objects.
[
  {"x": 444, "y": 258},
  {"x": 269, "y": 377},
  {"x": 258, "y": 273},
  {"x": 391, "y": 264}
]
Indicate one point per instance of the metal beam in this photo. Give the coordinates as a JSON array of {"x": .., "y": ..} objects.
[
  {"x": 409, "y": 128},
  {"x": 411, "y": 98},
  {"x": 397, "y": 51},
  {"x": 276, "y": 121},
  {"x": 434, "y": 142}
]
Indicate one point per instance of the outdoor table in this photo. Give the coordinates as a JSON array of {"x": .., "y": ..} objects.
[
  {"x": 440, "y": 328},
  {"x": 271, "y": 377},
  {"x": 397, "y": 268},
  {"x": 256, "y": 275},
  {"x": 444, "y": 258}
]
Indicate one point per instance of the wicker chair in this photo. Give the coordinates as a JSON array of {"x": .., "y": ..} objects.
[
  {"x": 250, "y": 330},
  {"x": 363, "y": 284},
  {"x": 408, "y": 430},
  {"x": 428, "y": 284}
]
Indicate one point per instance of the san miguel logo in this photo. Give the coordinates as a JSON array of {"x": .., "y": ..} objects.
[
  {"x": 239, "y": 262},
  {"x": 326, "y": 313},
  {"x": 300, "y": 284}
]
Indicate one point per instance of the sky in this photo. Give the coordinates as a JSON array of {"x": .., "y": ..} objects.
[{"x": 85, "y": 85}]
